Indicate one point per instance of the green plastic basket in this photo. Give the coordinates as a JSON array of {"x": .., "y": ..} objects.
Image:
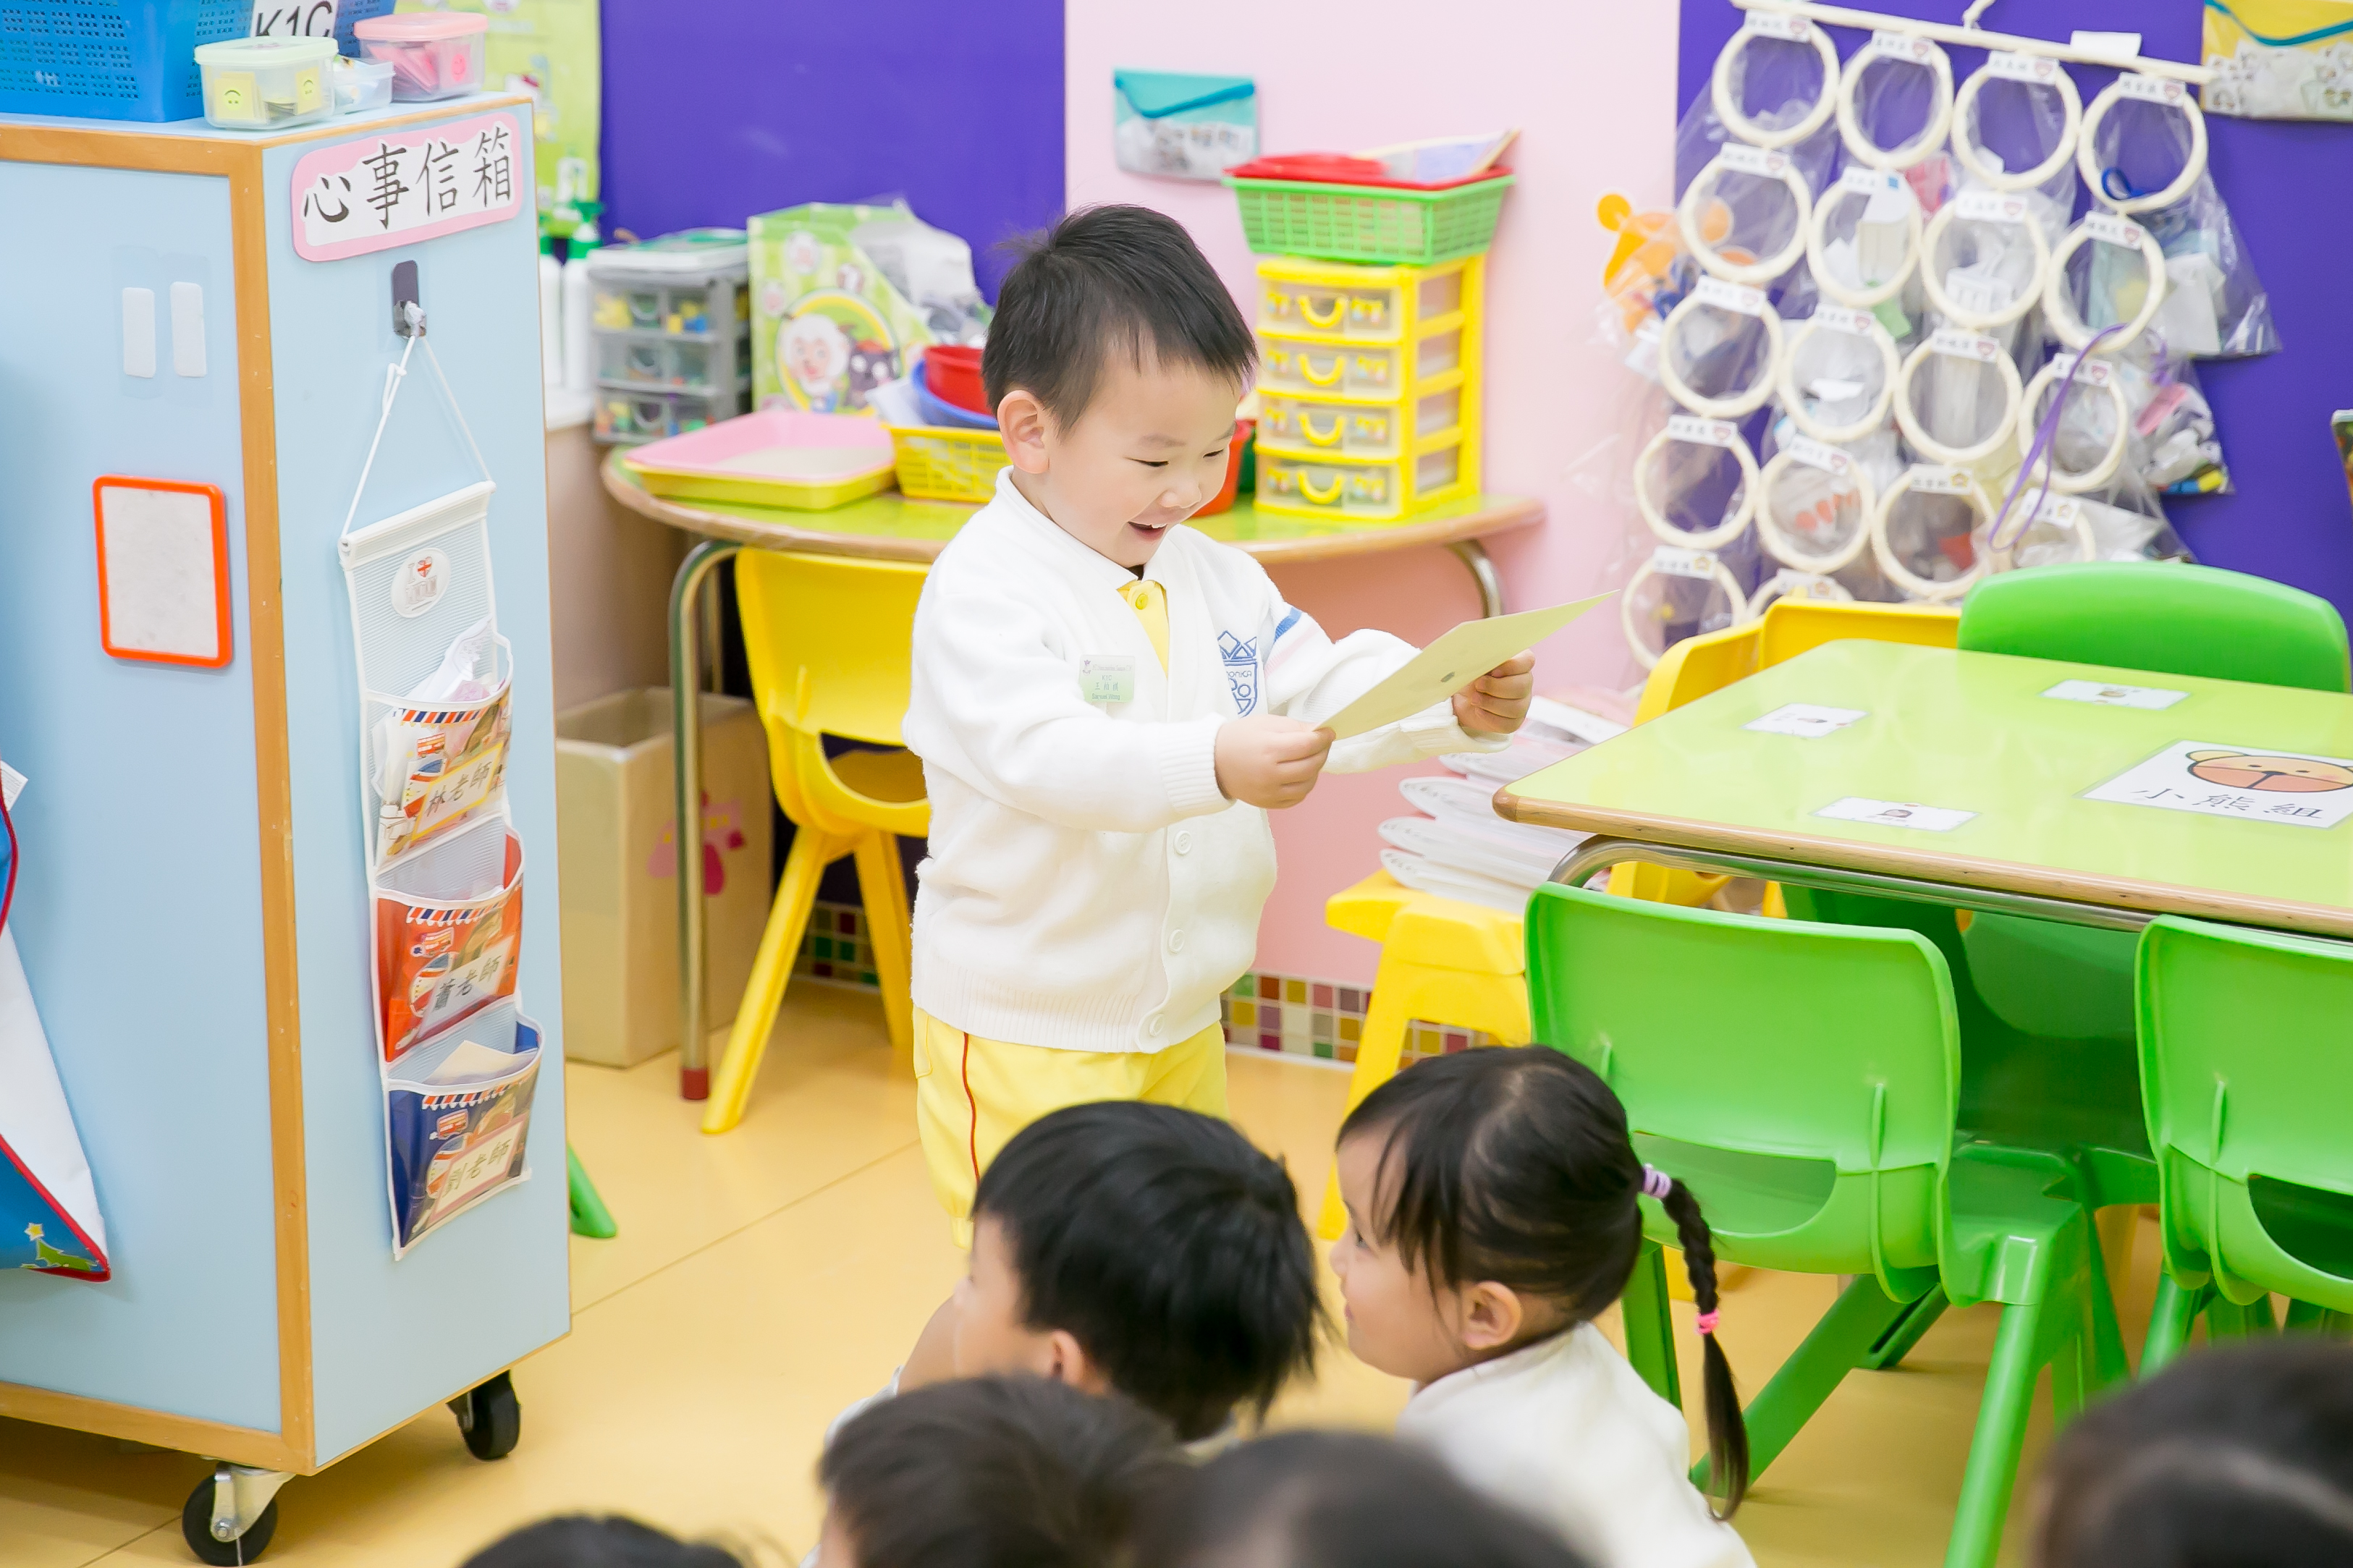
[{"x": 1368, "y": 223}]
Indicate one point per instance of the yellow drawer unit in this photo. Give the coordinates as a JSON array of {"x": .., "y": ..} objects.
[
  {"x": 1374, "y": 491},
  {"x": 1312, "y": 425},
  {"x": 1368, "y": 386},
  {"x": 1359, "y": 304}
]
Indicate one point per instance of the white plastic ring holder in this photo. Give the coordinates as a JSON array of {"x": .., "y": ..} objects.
[
  {"x": 2100, "y": 375},
  {"x": 1962, "y": 345},
  {"x": 1904, "y": 49},
  {"x": 1859, "y": 323},
  {"x": 1778, "y": 544},
  {"x": 1738, "y": 159},
  {"x": 1791, "y": 584},
  {"x": 2030, "y": 71},
  {"x": 1674, "y": 561},
  {"x": 2150, "y": 90},
  {"x": 1713, "y": 294},
  {"x": 2056, "y": 512},
  {"x": 1984, "y": 206},
  {"x": 1858, "y": 183},
  {"x": 1697, "y": 432},
  {"x": 1937, "y": 478},
  {"x": 1773, "y": 24},
  {"x": 2065, "y": 322}
]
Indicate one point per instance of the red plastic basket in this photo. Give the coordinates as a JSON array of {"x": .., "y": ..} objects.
[{"x": 953, "y": 373}]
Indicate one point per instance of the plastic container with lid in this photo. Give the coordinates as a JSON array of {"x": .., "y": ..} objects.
[
  {"x": 266, "y": 84},
  {"x": 433, "y": 54},
  {"x": 362, "y": 85}
]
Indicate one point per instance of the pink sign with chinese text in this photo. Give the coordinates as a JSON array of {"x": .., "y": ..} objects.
[{"x": 405, "y": 185}]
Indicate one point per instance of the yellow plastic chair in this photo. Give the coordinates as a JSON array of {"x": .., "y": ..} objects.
[
  {"x": 1444, "y": 961},
  {"x": 1792, "y": 626},
  {"x": 829, "y": 640}
]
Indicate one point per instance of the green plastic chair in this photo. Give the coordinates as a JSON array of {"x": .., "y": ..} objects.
[
  {"x": 1811, "y": 1106},
  {"x": 2069, "y": 983},
  {"x": 2247, "y": 1072},
  {"x": 590, "y": 1217}
]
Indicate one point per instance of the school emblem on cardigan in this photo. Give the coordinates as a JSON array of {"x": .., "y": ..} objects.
[{"x": 1241, "y": 670}]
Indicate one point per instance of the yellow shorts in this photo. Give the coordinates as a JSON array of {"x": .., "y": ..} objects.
[{"x": 972, "y": 1095}]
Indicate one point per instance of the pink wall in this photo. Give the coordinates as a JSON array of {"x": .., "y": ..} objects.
[{"x": 1592, "y": 89}]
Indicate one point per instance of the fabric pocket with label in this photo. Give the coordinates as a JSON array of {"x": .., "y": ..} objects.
[
  {"x": 448, "y": 930},
  {"x": 458, "y": 1120}
]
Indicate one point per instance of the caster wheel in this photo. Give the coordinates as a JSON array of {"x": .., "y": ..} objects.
[
  {"x": 490, "y": 1418},
  {"x": 197, "y": 1525}
]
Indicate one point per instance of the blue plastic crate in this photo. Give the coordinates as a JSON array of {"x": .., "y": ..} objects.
[{"x": 111, "y": 60}]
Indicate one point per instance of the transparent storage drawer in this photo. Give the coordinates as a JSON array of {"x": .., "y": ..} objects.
[
  {"x": 1382, "y": 370},
  {"x": 649, "y": 359},
  {"x": 704, "y": 309},
  {"x": 1331, "y": 486},
  {"x": 1310, "y": 425},
  {"x": 1378, "y": 304},
  {"x": 628, "y": 416}
]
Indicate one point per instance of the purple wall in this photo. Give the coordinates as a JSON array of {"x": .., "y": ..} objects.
[
  {"x": 721, "y": 109},
  {"x": 2285, "y": 183}
]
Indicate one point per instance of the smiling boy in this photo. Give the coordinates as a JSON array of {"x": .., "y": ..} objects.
[{"x": 1107, "y": 703}]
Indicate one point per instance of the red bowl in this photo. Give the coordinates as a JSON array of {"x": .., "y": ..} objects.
[
  {"x": 953, "y": 373},
  {"x": 1224, "y": 497}
]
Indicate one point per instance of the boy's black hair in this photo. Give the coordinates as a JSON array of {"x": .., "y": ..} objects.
[
  {"x": 995, "y": 1472},
  {"x": 1109, "y": 280},
  {"x": 585, "y": 1541},
  {"x": 2232, "y": 1458},
  {"x": 1167, "y": 1247},
  {"x": 1335, "y": 1499},
  {"x": 1514, "y": 1164}
]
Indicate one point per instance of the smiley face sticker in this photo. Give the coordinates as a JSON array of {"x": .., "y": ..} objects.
[{"x": 2289, "y": 775}]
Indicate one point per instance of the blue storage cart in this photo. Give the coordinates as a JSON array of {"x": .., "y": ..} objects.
[{"x": 193, "y": 908}]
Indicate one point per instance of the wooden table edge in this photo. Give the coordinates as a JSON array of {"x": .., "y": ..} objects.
[
  {"x": 1962, "y": 871},
  {"x": 1503, "y": 515}
]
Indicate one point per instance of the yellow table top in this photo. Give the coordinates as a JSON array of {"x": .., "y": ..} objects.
[
  {"x": 890, "y": 527},
  {"x": 2013, "y": 774}
]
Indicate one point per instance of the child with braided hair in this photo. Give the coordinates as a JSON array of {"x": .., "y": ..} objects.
[{"x": 1493, "y": 1215}]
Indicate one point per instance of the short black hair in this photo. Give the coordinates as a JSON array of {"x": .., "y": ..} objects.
[
  {"x": 1338, "y": 1499},
  {"x": 2241, "y": 1455},
  {"x": 586, "y": 1540},
  {"x": 997, "y": 1472},
  {"x": 1107, "y": 280},
  {"x": 1169, "y": 1247}
]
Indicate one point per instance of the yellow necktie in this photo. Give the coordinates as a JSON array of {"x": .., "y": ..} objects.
[{"x": 1150, "y": 602}]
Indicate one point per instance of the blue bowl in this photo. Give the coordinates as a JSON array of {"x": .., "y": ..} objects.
[{"x": 938, "y": 410}]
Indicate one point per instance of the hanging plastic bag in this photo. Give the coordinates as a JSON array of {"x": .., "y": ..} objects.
[
  {"x": 1983, "y": 260},
  {"x": 1719, "y": 348},
  {"x": 2175, "y": 448},
  {"x": 1776, "y": 81},
  {"x": 1929, "y": 534},
  {"x": 2015, "y": 122},
  {"x": 1695, "y": 483},
  {"x": 1957, "y": 397},
  {"x": 1864, "y": 245},
  {"x": 1837, "y": 374},
  {"x": 1814, "y": 506},
  {"x": 1677, "y": 593},
  {"x": 2108, "y": 272},
  {"x": 1741, "y": 209},
  {"x": 2142, "y": 154},
  {"x": 1895, "y": 100}
]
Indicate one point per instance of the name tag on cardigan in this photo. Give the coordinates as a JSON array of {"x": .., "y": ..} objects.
[{"x": 1107, "y": 677}]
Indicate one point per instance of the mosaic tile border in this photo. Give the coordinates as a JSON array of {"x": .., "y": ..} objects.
[{"x": 1291, "y": 1016}]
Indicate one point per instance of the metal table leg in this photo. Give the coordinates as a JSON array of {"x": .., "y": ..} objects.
[
  {"x": 1473, "y": 555},
  {"x": 686, "y": 752},
  {"x": 1601, "y": 854}
]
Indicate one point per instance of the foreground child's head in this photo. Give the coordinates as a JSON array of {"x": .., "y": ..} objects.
[
  {"x": 1143, "y": 1248},
  {"x": 991, "y": 1472},
  {"x": 2237, "y": 1457},
  {"x": 1332, "y": 1500},
  {"x": 1114, "y": 361},
  {"x": 584, "y": 1540},
  {"x": 1490, "y": 1199}
]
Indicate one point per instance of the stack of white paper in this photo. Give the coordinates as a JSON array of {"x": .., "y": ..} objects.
[{"x": 1458, "y": 849}]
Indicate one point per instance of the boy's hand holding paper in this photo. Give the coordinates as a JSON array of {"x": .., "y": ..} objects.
[{"x": 1491, "y": 703}]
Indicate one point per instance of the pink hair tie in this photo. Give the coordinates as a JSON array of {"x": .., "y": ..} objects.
[
  {"x": 1706, "y": 1322},
  {"x": 1656, "y": 1183}
]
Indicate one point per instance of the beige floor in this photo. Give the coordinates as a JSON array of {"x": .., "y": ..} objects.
[{"x": 766, "y": 1279}]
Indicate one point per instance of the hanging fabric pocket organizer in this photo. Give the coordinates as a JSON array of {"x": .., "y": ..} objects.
[{"x": 458, "y": 1062}]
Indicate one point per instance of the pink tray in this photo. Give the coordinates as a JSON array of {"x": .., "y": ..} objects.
[{"x": 775, "y": 458}]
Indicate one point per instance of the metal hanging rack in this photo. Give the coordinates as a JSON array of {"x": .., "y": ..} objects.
[{"x": 1967, "y": 33}]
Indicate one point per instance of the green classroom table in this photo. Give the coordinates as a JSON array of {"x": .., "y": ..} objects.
[{"x": 1977, "y": 734}]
